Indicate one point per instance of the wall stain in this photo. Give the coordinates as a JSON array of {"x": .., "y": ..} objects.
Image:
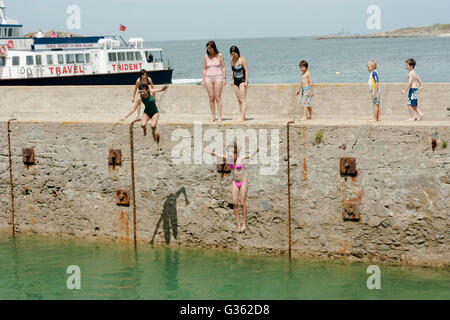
[{"x": 124, "y": 229}]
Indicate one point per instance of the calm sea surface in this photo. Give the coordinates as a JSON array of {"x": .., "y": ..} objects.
[
  {"x": 275, "y": 60},
  {"x": 35, "y": 268}
]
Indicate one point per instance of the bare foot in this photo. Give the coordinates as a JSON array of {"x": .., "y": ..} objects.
[
  {"x": 212, "y": 120},
  {"x": 373, "y": 120},
  {"x": 420, "y": 117},
  {"x": 145, "y": 131},
  {"x": 240, "y": 120},
  {"x": 157, "y": 138},
  {"x": 123, "y": 119},
  {"x": 410, "y": 119},
  {"x": 219, "y": 121},
  {"x": 239, "y": 227},
  {"x": 304, "y": 118},
  {"x": 244, "y": 226}
]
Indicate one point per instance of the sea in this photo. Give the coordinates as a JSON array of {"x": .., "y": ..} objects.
[
  {"x": 37, "y": 268},
  {"x": 275, "y": 60}
]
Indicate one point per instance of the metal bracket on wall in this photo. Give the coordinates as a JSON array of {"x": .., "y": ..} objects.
[
  {"x": 122, "y": 198},
  {"x": 28, "y": 156},
  {"x": 223, "y": 168},
  {"x": 350, "y": 210},
  {"x": 115, "y": 157},
  {"x": 348, "y": 167}
]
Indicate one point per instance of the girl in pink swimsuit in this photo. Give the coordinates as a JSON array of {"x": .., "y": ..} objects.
[
  {"x": 239, "y": 184},
  {"x": 214, "y": 78}
]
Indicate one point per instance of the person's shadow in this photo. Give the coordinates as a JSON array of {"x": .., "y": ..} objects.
[{"x": 169, "y": 216}]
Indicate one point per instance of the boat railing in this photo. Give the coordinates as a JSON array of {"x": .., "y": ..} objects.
[
  {"x": 18, "y": 72},
  {"x": 19, "y": 43},
  {"x": 118, "y": 38}
]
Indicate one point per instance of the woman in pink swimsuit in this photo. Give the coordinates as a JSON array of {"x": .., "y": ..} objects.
[
  {"x": 214, "y": 78},
  {"x": 240, "y": 182}
]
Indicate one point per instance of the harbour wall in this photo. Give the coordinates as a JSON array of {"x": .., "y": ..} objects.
[
  {"x": 331, "y": 101},
  {"x": 401, "y": 190}
]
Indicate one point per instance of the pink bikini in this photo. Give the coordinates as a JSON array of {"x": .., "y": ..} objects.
[
  {"x": 238, "y": 166},
  {"x": 213, "y": 70}
]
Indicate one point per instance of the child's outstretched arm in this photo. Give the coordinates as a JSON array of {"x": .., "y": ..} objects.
[
  {"x": 137, "y": 105},
  {"x": 214, "y": 153},
  {"x": 158, "y": 90},
  {"x": 251, "y": 155}
]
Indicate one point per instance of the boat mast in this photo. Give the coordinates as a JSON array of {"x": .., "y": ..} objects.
[
  {"x": 2, "y": 12},
  {"x": 3, "y": 18}
]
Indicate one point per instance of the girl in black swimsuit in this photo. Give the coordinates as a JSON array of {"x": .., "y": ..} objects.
[
  {"x": 239, "y": 81},
  {"x": 144, "y": 79}
]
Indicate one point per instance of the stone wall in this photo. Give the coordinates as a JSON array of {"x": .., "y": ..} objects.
[{"x": 402, "y": 187}]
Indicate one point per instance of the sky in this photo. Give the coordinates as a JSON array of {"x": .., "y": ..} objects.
[{"x": 162, "y": 20}]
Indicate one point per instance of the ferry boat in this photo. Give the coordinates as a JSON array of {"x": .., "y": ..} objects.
[{"x": 99, "y": 60}]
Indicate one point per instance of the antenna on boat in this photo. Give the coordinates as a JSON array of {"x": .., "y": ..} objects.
[{"x": 2, "y": 11}]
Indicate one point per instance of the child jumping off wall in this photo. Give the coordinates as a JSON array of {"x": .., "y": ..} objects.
[
  {"x": 239, "y": 182},
  {"x": 414, "y": 82},
  {"x": 306, "y": 87},
  {"x": 151, "y": 112},
  {"x": 375, "y": 90}
]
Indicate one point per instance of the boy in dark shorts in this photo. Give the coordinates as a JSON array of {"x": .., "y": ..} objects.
[
  {"x": 151, "y": 111},
  {"x": 414, "y": 83}
]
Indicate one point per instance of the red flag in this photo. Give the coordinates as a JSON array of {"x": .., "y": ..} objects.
[{"x": 122, "y": 28}]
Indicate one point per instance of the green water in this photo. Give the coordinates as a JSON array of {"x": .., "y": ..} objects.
[{"x": 35, "y": 268}]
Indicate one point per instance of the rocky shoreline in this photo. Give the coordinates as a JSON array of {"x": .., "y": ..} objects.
[
  {"x": 436, "y": 30},
  {"x": 47, "y": 34}
]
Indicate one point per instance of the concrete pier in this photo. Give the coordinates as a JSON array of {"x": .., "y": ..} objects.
[{"x": 401, "y": 190}]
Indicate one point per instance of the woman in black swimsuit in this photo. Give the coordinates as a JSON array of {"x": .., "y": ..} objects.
[{"x": 239, "y": 81}]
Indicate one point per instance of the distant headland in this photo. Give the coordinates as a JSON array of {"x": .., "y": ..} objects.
[{"x": 436, "y": 30}]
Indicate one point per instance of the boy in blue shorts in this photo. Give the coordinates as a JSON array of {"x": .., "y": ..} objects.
[
  {"x": 375, "y": 90},
  {"x": 414, "y": 82}
]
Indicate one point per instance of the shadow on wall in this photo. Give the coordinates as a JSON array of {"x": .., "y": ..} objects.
[{"x": 169, "y": 216}]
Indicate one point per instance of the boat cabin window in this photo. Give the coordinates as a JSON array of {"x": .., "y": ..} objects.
[
  {"x": 16, "y": 61},
  {"x": 39, "y": 60},
  {"x": 130, "y": 56},
  {"x": 88, "y": 58},
  {"x": 49, "y": 59},
  {"x": 138, "y": 56},
  {"x": 156, "y": 57},
  {"x": 30, "y": 60},
  {"x": 79, "y": 58},
  {"x": 112, "y": 57},
  {"x": 60, "y": 59},
  {"x": 121, "y": 56},
  {"x": 2, "y": 61},
  {"x": 70, "y": 58}
]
